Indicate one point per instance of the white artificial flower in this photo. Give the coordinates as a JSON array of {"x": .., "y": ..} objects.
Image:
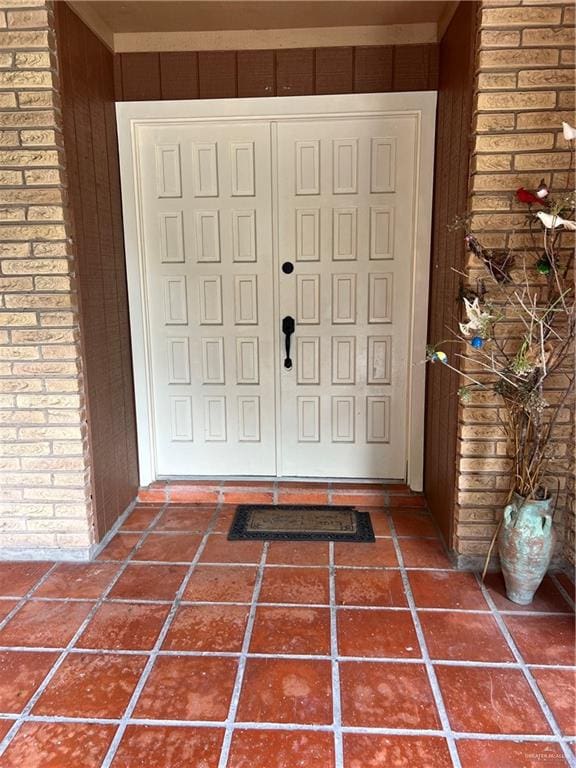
[{"x": 478, "y": 320}]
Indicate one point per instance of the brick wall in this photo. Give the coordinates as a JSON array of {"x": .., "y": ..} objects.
[
  {"x": 524, "y": 89},
  {"x": 44, "y": 464}
]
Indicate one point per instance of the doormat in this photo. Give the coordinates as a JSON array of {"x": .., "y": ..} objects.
[{"x": 295, "y": 522}]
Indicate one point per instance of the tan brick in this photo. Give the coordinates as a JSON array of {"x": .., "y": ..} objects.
[
  {"x": 504, "y": 181},
  {"x": 518, "y": 100},
  {"x": 479, "y": 203},
  {"x": 567, "y": 57},
  {"x": 10, "y": 178},
  {"x": 521, "y": 17},
  {"x": 43, "y": 283},
  {"x": 497, "y": 82},
  {"x": 479, "y": 464},
  {"x": 33, "y": 232},
  {"x": 20, "y": 157},
  {"x": 12, "y": 39},
  {"x": 492, "y": 122},
  {"x": 24, "y": 449},
  {"x": 27, "y": 539},
  {"x": 70, "y": 510},
  {"x": 58, "y": 319},
  {"x": 550, "y": 119},
  {"x": 491, "y": 163},
  {"x": 48, "y": 401},
  {"x": 63, "y": 385},
  {"x": 60, "y": 352},
  {"x": 51, "y": 249},
  {"x": 45, "y": 368},
  {"x": 55, "y": 524},
  {"x": 566, "y": 100},
  {"x": 14, "y": 250},
  {"x": 561, "y": 36},
  {"x": 41, "y": 177},
  {"x": 54, "y": 464},
  {"x": 36, "y": 266},
  {"x": 45, "y": 213},
  {"x": 26, "y": 510},
  {"x": 74, "y": 539},
  {"x": 35, "y": 60},
  {"x": 489, "y": 221},
  {"x": 37, "y": 99},
  {"x": 12, "y": 214},
  {"x": 50, "y": 433},
  {"x": 27, "y": 19},
  {"x": 9, "y": 139},
  {"x": 36, "y": 301},
  {"x": 36, "y": 196},
  {"x": 71, "y": 416},
  {"x": 7, "y": 100},
  {"x": 545, "y": 78},
  {"x": 499, "y": 38},
  {"x": 27, "y": 478},
  {"x": 39, "y": 138},
  {"x": 17, "y": 319},
  {"x": 21, "y": 385},
  {"x": 476, "y": 482},
  {"x": 542, "y": 160},
  {"x": 516, "y": 57},
  {"x": 25, "y": 79},
  {"x": 514, "y": 142},
  {"x": 43, "y": 336},
  {"x": 37, "y": 119}
]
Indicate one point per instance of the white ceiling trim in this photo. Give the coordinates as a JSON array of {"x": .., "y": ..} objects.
[{"x": 314, "y": 37}]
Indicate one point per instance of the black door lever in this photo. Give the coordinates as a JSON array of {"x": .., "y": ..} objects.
[{"x": 288, "y": 326}]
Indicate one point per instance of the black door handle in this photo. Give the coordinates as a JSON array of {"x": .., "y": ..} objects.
[{"x": 288, "y": 326}]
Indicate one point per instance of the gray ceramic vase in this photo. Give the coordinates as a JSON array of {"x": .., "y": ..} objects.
[{"x": 525, "y": 544}]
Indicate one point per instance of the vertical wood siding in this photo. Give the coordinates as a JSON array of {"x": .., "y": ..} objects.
[{"x": 90, "y": 141}]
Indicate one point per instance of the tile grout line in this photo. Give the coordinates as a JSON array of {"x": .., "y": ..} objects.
[
  {"x": 336, "y": 698},
  {"x": 431, "y": 672},
  {"x": 64, "y": 654},
  {"x": 546, "y": 711},
  {"x": 153, "y": 653},
  {"x": 22, "y": 599},
  {"x": 236, "y": 690}
]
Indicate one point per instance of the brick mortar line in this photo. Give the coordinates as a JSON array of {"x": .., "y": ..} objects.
[
  {"x": 431, "y": 673},
  {"x": 153, "y": 655},
  {"x": 62, "y": 657},
  {"x": 527, "y": 673}
]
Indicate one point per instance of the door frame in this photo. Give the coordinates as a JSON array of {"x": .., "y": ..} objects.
[{"x": 132, "y": 115}]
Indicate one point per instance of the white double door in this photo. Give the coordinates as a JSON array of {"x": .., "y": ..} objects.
[{"x": 225, "y": 206}]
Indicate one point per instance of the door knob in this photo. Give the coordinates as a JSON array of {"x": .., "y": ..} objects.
[{"x": 288, "y": 326}]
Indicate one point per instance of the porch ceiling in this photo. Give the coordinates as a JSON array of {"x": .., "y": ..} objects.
[{"x": 155, "y": 25}]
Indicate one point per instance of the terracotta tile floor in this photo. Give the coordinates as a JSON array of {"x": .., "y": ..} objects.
[{"x": 179, "y": 648}]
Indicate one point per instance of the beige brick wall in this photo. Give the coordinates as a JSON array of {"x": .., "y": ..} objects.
[
  {"x": 524, "y": 89},
  {"x": 44, "y": 467}
]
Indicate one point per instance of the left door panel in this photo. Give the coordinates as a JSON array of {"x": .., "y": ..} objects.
[{"x": 205, "y": 197}]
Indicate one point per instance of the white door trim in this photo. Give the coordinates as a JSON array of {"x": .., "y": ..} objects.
[{"x": 132, "y": 115}]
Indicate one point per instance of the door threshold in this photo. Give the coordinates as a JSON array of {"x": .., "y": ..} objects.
[{"x": 229, "y": 490}]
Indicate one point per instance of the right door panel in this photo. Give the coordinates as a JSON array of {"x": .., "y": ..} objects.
[{"x": 346, "y": 207}]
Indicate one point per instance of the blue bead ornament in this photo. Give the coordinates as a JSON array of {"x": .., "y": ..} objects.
[{"x": 477, "y": 342}]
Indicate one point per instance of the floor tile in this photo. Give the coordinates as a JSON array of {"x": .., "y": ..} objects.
[
  {"x": 120, "y": 546},
  {"x": 91, "y": 685},
  {"x": 234, "y": 584},
  {"x": 21, "y": 673},
  {"x": 510, "y": 754},
  {"x": 140, "y": 518},
  {"x": 193, "y": 519},
  {"x": 188, "y": 688},
  {"x": 544, "y": 639},
  {"x": 547, "y": 597},
  {"x": 380, "y": 552},
  {"x": 446, "y": 589},
  {"x": 6, "y": 606},
  {"x": 407, "y": 500},
  {"x": 464, "y": 637},
  {"x": 286, "y": 691},
  {"x": 224, "y": 519},
  {"x": 124, "y": 626},
  {"x": 413, "y": 523},
  {"x": 298, "y": 553},
  {"x": 558, "y": 686},
  {"x": 16, "y": 579},
  {"x": 295, "y": 585},
  {"x": 149, "y": 582},
  {"x": 248, "y": 497},
  {"x": 169, "y": 747},
  {"x": 379, "y": 520},
  {"x": 219, "y": 550},
  {"x": 375, "y": 751},
  {"x": 207, "y": 628},
  {"x": 5, "y": 726},
  {"x": 303, "y": 497},
  {"x": 169, "y": 547},
  {"x": 423, "y": 553},
  {"x": 298, "y": 629},
  {"x": 377, "y": 633},
  {"x": 379, "y": 695},
  {"x": 490, "y": 700},
  {"x": 55, "y": 745},
  {"x": 375, "y": 499},
  {"x": 45, "y": 625},
  {"x": 377, "y": 588},
  {"x": 281, "y": 749},
  {"x": 567, "y": 583},
  {"x": 79, "y": 580}
]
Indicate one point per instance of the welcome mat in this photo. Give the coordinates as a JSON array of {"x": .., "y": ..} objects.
[{"x": 296, "y": 522}]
